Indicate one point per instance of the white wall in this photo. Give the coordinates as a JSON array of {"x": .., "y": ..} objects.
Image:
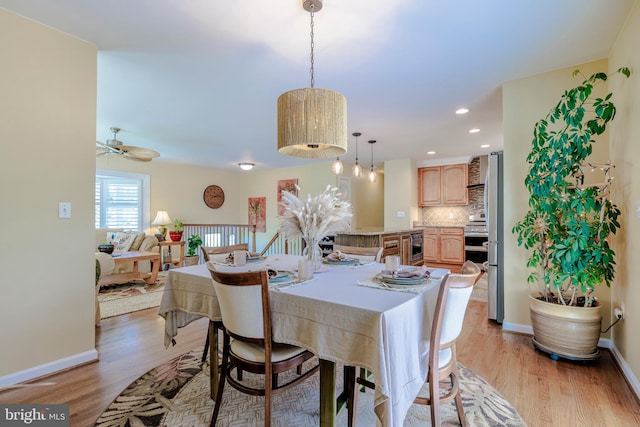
[
  {"x": 47, "y": 129},
  {"x": 625, "y": 153},
  {"x": 400, "y": 193}
]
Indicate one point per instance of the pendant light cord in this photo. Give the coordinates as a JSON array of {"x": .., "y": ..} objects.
[{"x": 312, "y": 45}]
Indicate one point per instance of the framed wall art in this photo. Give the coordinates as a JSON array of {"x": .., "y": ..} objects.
[
  {"x": 258, "y": 213},
  {"x": 289, "y": 185}
]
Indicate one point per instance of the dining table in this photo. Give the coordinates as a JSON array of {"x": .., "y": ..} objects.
[{"x": 344, "y": 315}]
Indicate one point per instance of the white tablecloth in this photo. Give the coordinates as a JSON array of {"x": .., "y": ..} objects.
[{"x": 382, "y": 330}]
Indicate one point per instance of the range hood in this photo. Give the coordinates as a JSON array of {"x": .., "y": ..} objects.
[{"x": 484, "y": 164}]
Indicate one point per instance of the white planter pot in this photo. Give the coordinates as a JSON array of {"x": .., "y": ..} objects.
[{"x": 565, "y": 331}]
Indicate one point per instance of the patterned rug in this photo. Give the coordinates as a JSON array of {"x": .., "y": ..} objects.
[
  {"x": 177, "y": 394},
  {"x": 129, "y": 297}
]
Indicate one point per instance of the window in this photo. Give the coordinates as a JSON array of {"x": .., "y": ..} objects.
[{"x": 122, "y": 200}]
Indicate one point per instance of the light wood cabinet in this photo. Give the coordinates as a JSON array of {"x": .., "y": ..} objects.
[
  {"x": 443, "y": 247},
  {"x": 430, "y": 245},
  {"x": 452, "y": 245},
  {"x": 390, "y": 245},
  {"x": 443, "y": 185},
  {"x": 402, "y": 243}
]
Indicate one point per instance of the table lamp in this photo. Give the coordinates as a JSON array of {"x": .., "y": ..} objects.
[{"x": 161, "y": 220}]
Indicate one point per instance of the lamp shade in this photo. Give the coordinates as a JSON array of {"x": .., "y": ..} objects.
[
  {"x": 162, "y": 218},
  {"x": 312, "y": 123}
]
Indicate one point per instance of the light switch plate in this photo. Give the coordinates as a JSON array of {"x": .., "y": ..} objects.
[
  {"x": 400, "y": 214},
  {"x": 64, "y": 210}
]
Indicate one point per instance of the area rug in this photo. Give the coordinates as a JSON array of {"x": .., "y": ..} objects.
[
  {"x": 129, "y": 297},
  {"x": 177, "y": 394}
]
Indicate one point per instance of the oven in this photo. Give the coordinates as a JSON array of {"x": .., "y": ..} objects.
[
  {"x": 476, "y": 240},
  {"x": 416, "y": 248}
]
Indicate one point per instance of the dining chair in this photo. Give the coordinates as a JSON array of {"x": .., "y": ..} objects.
[
  {"x": 470, "y": 267},
  {"x": 451, "y": 305},
  {"x": 220, "y": 253},
  {"x": 363, "y": 254},
  {"x": 247, "y": 341},
  {"x": 207, "y": 251}
]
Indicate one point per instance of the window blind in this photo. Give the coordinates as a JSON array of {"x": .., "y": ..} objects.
[{"x": 119, "y": 202}]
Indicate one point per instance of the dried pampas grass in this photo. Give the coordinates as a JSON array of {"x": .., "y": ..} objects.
[{"x": 316, "y": 217}]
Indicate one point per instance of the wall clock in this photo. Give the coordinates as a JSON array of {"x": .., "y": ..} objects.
[{"x": 213, "y": 196}]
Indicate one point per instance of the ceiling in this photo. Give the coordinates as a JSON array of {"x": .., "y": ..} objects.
[{"x": 198, "y": 80}]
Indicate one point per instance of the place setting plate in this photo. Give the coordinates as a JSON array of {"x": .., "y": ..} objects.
[
  {"x": 256, "y": 258},
  {"x": 283, "y": 276},
  {"x": 346, "y": 261},
  {"x": 402, "y": 281}
]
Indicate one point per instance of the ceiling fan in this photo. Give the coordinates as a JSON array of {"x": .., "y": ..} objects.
[{"x": 113, "y": 146}]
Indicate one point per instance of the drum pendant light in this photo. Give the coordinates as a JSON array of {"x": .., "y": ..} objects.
[{"x": 312, "y": 122}]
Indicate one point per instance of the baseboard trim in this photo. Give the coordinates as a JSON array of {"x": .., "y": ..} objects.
[
  {"x": 626, "y": 370},
  {"x": 516, "y": 327},
  {"x": 49, "y": 368}
]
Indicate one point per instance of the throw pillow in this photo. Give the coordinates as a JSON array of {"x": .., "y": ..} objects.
[{"x": 122, "y": 242}]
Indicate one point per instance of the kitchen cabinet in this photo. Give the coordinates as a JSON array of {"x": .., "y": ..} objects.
[
  {"x": 443, "y": 185},
  {"x": 443, "y": 247},
  {"x": 405, "y": 243}
]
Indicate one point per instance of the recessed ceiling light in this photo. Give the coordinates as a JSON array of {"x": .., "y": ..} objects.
[
  {"x": 474, "y": 130},
  {"x": 246, "y": 166},
  {"x": 462, "y": 111},
  {"x": 431, "y": 152},
  {"x": 485, "y": 146}
]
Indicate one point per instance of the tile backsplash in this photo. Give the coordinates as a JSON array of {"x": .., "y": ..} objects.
[{"x": 457, "y": 215}]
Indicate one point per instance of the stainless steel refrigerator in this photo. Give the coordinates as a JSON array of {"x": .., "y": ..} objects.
[{"x": 494, "y": 198}]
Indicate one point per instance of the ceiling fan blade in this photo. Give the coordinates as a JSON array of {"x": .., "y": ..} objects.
[
  {"x": 137, "y": 159},
  {"x": 140, "y": 152},
  {"x": 108, "y": 149},
  {"x": 130, "y": 152}
]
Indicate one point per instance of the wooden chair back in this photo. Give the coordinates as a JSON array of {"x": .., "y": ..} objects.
[
  {"x": 363, "y": 254},
  {"x": 207, "y": 251},
  {"x": 244, "y": 304},
  {"x": 451, "y": 305},
  {"x": 246, "y": 316}
]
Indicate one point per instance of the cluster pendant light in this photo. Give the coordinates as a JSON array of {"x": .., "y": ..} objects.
[
  {"x": 312, "y": 122},
  {"x": 372, "y": 173},
  {"x": 357, "y": 170},
  {"x": 337, "y": 166}
]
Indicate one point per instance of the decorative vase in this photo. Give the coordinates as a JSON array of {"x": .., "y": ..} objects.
[
  {"x": 176, "y": 236},
  {"x": 313, "y": 252}
]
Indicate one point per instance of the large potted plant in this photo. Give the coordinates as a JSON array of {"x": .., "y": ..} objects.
[
  {"x": 193, "y": 243},
  {"x": 568, "y": 222}
]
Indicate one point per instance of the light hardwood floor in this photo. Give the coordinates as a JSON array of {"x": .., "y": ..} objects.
[{"x": 545, "y": 392}]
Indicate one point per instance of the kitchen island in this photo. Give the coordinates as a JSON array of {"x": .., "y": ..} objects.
[{"x": 407, "y": 243}]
